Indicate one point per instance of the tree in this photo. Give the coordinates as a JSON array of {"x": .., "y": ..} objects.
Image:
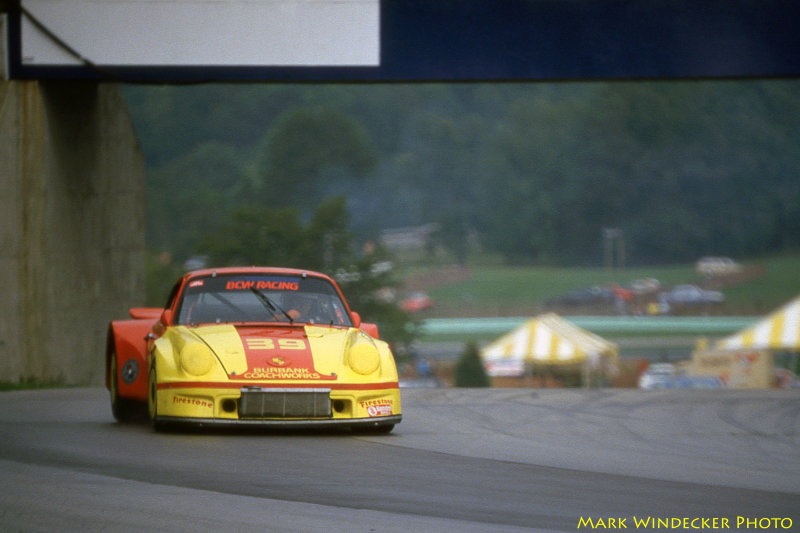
[
  {"x": 258, "y": 235},
  {"x": 255, "y": 235},
  {"x": 365, "y": 283},
  {"x": 329, "y": 236},
  {"x": 684, "y": 168},
  {"x": 303, "y": 144},
  {"x": 469, "y": 371},
  {"x": 191, "y": 197}
]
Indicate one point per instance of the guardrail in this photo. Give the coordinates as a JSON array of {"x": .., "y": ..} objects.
[{"x": 612, "y": 326}]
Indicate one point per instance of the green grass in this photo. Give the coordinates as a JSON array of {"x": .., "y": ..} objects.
[
  {"x": 538, "y": 284},
  {"x": 779, "y": 284},
  {"x": 501, "y": 290}
]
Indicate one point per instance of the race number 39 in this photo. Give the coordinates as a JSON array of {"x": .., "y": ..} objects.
[{"x": 275, "y": 344}]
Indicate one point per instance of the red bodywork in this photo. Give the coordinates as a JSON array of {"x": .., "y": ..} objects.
[
  {"x": 131, "y": 339},
  {"x": 127, "y": 339}
]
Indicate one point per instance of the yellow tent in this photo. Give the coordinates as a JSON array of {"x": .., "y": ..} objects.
[
  {"x": 548, "y": 340},
  {"x": 779, "y": 331}
]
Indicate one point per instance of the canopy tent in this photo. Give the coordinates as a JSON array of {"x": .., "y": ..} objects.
[
  {"x": 779, "y": 331},
  {"x": 549, "y": 340}
]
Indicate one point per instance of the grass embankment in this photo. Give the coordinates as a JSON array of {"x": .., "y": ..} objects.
[{"x": 493, "y": 290}]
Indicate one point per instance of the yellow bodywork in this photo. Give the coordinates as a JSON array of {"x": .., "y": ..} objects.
[{"x": 199, "y": 372}]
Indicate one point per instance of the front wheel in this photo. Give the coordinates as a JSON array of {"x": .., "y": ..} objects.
[
  {"x": 378, "y": 429},
  {"x": 152, "y": 398}
]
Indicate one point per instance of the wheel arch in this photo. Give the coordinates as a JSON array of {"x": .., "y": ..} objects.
[{"x": 125, "y": 340}]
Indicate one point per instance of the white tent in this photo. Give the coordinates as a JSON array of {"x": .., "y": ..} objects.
[
  {"x": 780, "y": 331},
  {"x": 548, "y": 340}
]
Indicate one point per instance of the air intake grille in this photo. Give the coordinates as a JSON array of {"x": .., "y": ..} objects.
[{"x": 285, "y": 403}]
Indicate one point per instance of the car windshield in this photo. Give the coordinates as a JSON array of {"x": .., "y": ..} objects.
[{"x": 261, "y": 298}]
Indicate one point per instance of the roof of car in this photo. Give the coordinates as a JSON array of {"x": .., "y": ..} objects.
[{"x": 256, "y": 270}]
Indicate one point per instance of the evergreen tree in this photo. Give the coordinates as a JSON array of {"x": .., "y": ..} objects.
[{"x": 469, "y": 371}]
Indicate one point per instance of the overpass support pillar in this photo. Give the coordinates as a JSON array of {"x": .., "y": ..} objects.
[{"x": 72, "y": 249}]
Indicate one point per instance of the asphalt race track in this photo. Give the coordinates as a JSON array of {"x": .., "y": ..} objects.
[{"x": 465, "y": 460}]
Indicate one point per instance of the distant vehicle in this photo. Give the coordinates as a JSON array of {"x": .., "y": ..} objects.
[
  {"x": 785, "y": 379},
  {"x": 595, "y": 295},
  {"x": 663, "y": 376},
  {"x": 645, "y": 285},
  {"x": 419, "y": 301},
  {"x": 196, "y": 262},
  {"x": 710, "y": 267},
  {"x": 657, "y": 376},
  {"x": 349, "y": 276},
  {"x": 689, "y": 295}
]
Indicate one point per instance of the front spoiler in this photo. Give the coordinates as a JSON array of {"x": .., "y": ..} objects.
[{"x": 355, "y": 423}]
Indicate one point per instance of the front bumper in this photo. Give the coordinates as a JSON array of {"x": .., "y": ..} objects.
[
  {"x": 353, "y": 423},
  {"x": 267, "y": 405}
]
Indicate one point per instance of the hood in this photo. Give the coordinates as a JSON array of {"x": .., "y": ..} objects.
[{"x": 278, "y": 353}]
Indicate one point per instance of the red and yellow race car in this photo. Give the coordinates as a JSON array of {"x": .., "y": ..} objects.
[{"x": 252, "y": 346}]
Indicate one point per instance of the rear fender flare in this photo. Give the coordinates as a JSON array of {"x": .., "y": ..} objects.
[{"x": 126, "y": 340}]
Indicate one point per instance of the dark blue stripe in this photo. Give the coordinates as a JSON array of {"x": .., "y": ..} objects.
[{"x": 546, "y": 40}]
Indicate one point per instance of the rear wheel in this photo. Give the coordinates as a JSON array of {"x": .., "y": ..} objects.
[{"x": 124, "y": 410}]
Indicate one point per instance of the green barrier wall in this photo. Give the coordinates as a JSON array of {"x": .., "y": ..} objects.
[{"x": 612, "y": 326}]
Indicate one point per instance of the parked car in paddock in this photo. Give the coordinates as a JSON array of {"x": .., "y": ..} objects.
[
  {"x": 588, "y": 296},
  {"x": 661, "y": 376},
  {"x": 252, "y": 346},
  {"x": 657, "y": 376},
  {"x": 416, "y": 303},
  {"x": 710, "y": 267},
  {"x": 691, "y": 295}
]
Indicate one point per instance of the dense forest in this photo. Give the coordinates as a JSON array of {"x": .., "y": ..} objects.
[{"x": 532, "y": 172}]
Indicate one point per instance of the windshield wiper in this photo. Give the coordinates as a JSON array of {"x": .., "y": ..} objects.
[{"x": 270, "y": 305}]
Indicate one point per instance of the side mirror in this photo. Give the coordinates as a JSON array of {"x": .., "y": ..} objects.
[
  {"x": 161, "y": 325},
  {"x": 370, "y": 329},
  {"x": 366, "y": 327}
]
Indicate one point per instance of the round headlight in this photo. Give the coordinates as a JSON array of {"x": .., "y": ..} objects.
[
  {"x": 196, "y": 359},
  {"x": 363, "y": 358}
]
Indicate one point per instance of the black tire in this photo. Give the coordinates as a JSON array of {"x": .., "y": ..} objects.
[
  {"x": 152, "y": 398},
  {"x": 380, "y": 429},
  {"x": 383, "y": 429},
  {"x": 124, "y": 410}
]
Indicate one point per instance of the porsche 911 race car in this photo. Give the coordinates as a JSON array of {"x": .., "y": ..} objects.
[{"x": 252, "y": 346}]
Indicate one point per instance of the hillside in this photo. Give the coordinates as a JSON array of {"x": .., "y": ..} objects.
[
  {"x": 481, "y": 290},
  {"x": 537, "y": 173}
]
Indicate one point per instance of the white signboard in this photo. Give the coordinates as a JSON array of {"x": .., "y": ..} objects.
[
  {"x": 504, "y": 368},
  {"x": 282, "y": 33}
]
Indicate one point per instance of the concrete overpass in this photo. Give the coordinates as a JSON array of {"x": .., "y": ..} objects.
[
  {"x": 72, "y": 231},
  {"x": 72, "y": 188}
]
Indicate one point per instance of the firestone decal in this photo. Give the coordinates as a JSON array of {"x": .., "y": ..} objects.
[
  {"x": 377, "y": 407},
  {"x": 192, "y": 401}
]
